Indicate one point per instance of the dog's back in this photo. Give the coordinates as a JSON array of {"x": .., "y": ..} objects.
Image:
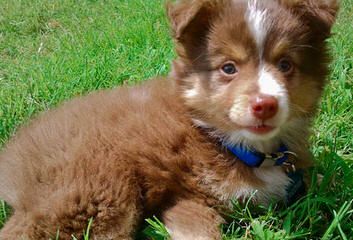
[{"x": 82, "y": 157}]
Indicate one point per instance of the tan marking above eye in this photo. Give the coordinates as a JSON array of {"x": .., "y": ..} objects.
[
  {"x": 278, "y": 50},
  {"x": 236, "y": 53}
]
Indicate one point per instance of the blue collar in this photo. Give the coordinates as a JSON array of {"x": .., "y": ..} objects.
[{"x": 254, "y": 158}]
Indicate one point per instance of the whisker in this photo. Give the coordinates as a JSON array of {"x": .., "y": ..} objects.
[{"x": 297, "y": 46}]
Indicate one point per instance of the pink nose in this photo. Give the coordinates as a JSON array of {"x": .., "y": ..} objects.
[{"x": 264, "y": 106}]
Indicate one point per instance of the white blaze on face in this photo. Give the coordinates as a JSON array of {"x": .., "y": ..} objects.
[
  {"x": 258, "y": 23},
  {"x": 269, "y": 85}
]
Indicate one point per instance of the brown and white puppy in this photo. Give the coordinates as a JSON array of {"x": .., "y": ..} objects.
[{"x": 247, "y": 72}]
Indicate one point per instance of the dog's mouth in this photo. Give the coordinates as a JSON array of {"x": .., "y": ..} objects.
[{"x": 260, "y": 129}]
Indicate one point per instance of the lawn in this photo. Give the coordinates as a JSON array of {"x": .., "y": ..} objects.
[{"x": 51, "y": 51}]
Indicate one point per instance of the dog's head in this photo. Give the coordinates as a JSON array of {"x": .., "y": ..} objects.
[{"x": 251, "y": 69}]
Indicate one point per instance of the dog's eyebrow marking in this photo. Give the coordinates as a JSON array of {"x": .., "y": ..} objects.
[
  {"x": 239, "y": 53},
  {"x": 229, "y": 52},
  {"x": 258, "y": 23},
  {"x": 279, "y": 49}
]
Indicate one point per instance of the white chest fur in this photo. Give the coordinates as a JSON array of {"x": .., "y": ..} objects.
[
  {"x": 273, "y": 187},
  {"x": 276, "y": 182}
]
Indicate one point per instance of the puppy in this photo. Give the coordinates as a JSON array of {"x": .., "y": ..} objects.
[{"x": 231, "y": 120}]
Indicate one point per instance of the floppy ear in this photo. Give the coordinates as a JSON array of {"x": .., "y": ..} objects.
[
  {"x": 191, "y": 21},
  {"x": 190, "y": 18},
  {"x": 319, "y": 15}
]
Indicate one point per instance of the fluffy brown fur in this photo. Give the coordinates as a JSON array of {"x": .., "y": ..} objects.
[{"x": 119, "y": 156}]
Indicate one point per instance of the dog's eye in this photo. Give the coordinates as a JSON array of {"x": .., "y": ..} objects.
[
  {"x": 285, "y": 66},
  {"x": 229, "y": 68}
]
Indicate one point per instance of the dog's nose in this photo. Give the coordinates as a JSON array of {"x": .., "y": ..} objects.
[{"x": 264, "y": 106}]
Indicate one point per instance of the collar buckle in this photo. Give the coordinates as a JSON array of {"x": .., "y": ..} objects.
[
  {"x": 286, "y": 158},
  {"x": 274, "y": 156},
  {"x": 291, "y": 160}
]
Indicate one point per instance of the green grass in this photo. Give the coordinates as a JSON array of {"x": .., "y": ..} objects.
[{"x": 51, "y": 51}]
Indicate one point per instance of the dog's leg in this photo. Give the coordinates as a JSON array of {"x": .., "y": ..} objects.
[
  {"x": 40, "y": 225},
  {"x": 22, "y": 226},
  {"x": 192, "y": 220},
  {"x": 115, "y": 210},
  {"x": 15, "y": 228}
]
